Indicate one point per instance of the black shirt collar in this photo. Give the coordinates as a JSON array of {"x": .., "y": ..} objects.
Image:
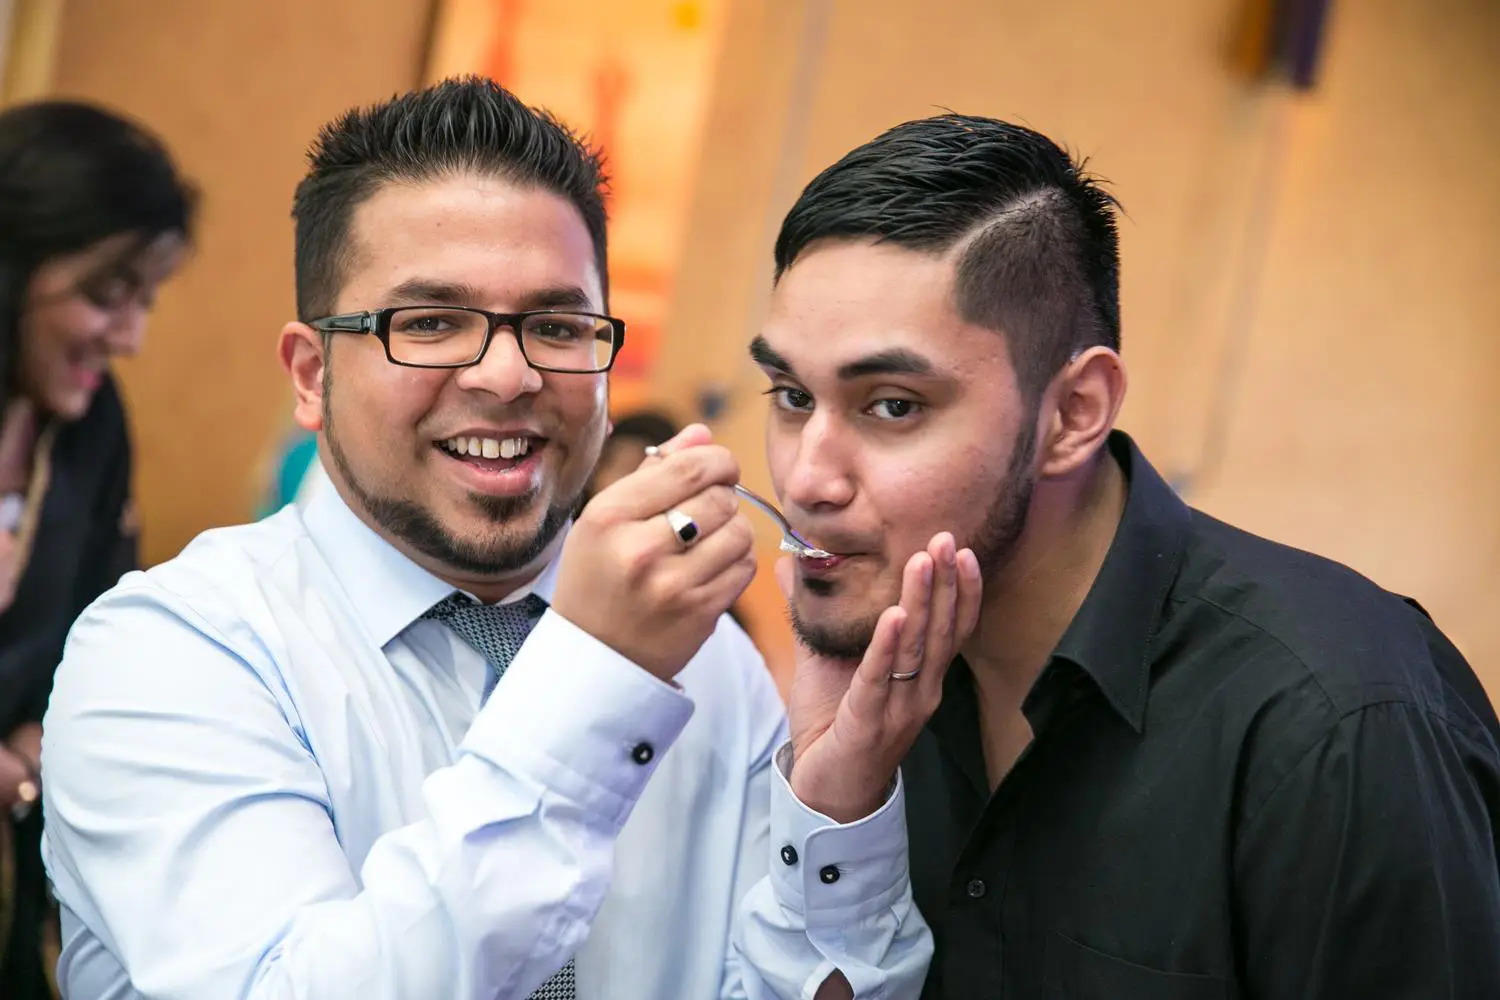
[{"x": 1110, "y": 637}]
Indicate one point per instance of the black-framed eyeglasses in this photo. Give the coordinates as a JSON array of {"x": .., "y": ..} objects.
[{"x": 456, "y": 336}]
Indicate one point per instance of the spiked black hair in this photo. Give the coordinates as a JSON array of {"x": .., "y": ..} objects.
[{"x": 463, "y": 124}]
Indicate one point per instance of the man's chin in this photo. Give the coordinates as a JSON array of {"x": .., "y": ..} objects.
[
  {"x": 516, "y": 512},
  {"x": 481, "y": 535},
  {"x": 839, "y": 637}
]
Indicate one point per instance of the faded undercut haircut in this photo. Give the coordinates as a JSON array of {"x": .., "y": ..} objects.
[
  {"x": 463, "y": 125},
  {"x": 1036, "y": 243}
]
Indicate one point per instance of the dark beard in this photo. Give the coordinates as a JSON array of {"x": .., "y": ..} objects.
[
  {"x": 993, "y": 545},
  {"x": 417, "y": 527}
]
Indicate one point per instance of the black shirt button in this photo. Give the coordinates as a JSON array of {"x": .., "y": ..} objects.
[
  {"x": 975, "y": 888},
  {"x": 643, "y": 753},
  {"x": 829, "y": 874},
  {"x": 789, "y": 855}
]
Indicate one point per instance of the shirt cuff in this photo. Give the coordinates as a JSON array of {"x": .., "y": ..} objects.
[
  {"x": 579, "y": 718},
  {"x": 830, "y": 872}
]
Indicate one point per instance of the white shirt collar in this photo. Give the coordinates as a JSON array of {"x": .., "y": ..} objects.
[{"x": 387, "y": 589}]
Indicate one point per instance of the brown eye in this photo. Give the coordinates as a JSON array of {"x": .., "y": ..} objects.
[
  {"x": 787, "y": 398},
  {"x": 894, "y": 409}
]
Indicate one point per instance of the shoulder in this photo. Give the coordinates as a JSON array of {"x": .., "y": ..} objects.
[
  {"x": 194, "y": 635},
  {"x": 1306, "y": 647},
  {"x": 1358, "y": 643},
  {"x": 217, "y": 587}
]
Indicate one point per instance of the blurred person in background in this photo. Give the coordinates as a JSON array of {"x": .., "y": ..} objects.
[
  {"x": 93, "y": 218},
  {"x": 293, "y": 473},
  {"x": 625, "y": 448}
]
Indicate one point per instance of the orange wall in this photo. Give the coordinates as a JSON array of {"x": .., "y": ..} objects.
[
  {"x": 1334, "y": 253},
  {"x": 237, "y": 90}
]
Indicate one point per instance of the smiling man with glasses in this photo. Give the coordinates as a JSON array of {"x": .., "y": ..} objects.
[{"x": 424, "y": 735}]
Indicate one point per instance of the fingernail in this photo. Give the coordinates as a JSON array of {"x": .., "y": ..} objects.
[
  {"x": 652, "y": 451},
  {"x": 927, "y": 571},
  {"x": 27, "y": 791}
]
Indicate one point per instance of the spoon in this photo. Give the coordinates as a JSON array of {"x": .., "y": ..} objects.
[{"x": 790, "y": 540}]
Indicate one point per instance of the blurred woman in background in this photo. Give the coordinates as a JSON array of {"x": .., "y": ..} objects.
[
  {"x": 93, "y": 218},
  {"x": 625, "y": 448}
]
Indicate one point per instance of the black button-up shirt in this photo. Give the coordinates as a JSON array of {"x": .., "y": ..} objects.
[{"x": 1254, "y": 774}]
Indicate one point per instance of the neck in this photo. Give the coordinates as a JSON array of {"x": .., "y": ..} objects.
[
  {"x": 493, "y": 589},
  {"x": 1029, "y": 604}
]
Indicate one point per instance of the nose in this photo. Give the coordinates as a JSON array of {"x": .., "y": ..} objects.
[
  {"x": 127, "y": 332},
  {"x": 503, "y": 370},
  {"x": 819, "y": 477}
]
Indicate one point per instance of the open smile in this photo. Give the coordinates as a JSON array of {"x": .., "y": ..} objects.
[{"x": 502, "y": 466}]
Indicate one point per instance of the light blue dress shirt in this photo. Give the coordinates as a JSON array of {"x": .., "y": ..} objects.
[{"x": 266, "y": 776}]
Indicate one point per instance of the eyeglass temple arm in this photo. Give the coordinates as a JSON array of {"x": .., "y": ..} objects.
[{"x": 348, "y": 323}]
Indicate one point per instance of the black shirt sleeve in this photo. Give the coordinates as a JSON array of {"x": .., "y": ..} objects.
[{"x": 1370, "y": 870}]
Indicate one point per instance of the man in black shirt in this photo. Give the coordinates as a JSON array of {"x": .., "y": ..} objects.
[{"x": 1175, "y": 761}]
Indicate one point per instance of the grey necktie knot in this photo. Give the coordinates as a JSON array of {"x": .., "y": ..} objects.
[{"x": 496, "y": 631}]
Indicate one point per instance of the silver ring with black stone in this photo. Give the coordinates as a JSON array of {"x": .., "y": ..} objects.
[{"x": 683, "y": 526}]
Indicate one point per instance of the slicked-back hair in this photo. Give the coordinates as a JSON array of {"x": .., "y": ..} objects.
[
  {"x": 463, "y": 125},
  {"x": 1034, "y": 236}
]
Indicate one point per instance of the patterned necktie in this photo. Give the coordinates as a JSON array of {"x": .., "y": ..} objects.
[{"x": 497, "y": 631}]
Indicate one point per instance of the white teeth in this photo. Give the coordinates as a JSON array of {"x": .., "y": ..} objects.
[{"x": 488, "y": 447}]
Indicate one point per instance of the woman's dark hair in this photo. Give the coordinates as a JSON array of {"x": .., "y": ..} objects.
[
  {"x": 649, "y": 426},
  {"x": 72, "y": 174}
]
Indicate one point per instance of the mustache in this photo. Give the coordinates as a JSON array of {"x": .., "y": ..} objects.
[{"x": 492, "y": 417}]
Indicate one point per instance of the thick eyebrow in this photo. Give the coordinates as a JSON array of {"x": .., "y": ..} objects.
[
  {"x": 763, "y": 354},
  {"x": 425, "y": 291},
  {"x": 896, "y": 361},
  {"x": 561, "y": 297}
]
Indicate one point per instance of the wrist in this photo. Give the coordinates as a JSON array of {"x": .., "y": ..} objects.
[{"x": 843, "y": 800}]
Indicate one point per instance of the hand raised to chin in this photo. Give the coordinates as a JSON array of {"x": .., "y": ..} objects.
[{"x": 853, "y": 723}]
